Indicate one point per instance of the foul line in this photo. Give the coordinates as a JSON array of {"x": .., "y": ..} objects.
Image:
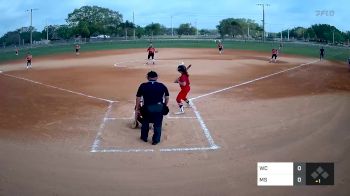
[
  {"x": 204, "y": 127},
  {"x": 58, "y": 88},
  {"x": 251, "y": 81}
]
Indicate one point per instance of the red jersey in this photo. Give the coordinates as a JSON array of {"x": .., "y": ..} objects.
[
  {"x": 274, "y": 51},
  {"x": 29, "y": 57},
  {"x": 151, "y": 50},
  {"x": 184, "y": 78}
]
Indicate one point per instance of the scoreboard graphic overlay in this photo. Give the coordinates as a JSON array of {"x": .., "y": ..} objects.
[{"x": 294, "y": 174}]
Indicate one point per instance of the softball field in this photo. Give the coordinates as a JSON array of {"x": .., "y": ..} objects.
[{"x": 65, "y": 123}]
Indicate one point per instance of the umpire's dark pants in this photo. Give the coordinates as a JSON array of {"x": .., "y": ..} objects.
[{"x": 157, "y": 119}]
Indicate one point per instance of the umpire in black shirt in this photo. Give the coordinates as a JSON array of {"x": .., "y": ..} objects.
[{"x": 155, "y": 97}]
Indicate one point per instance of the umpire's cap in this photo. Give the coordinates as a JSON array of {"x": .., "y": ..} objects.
[{"x": 152, "y": 74}]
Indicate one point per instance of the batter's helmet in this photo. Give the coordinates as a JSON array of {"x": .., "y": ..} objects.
[{"x": 181, "y": 68}]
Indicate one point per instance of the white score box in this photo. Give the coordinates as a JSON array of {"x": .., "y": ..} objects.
[{"x": 275, "y": 174}]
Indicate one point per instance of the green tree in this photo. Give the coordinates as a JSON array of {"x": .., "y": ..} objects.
[
  {"x": 154, "y": 29},
  {"x": 83, "y": 29},
  {"x": 52, "y": 32},
  {"x": 64, "y": 32},
  {"x": 238, "y": 26},
  {"x": 186, "y": 29},
  {"x": 324, "y": 33},
  {"x": 127, "y": 28},
  {"x": 295, "y": 33},
  {"x": 11, "y": 38},
  {"x": 94, "y": 19},
  {"x": 16, "y": 37},
  {"x": 139, "y": 32}
]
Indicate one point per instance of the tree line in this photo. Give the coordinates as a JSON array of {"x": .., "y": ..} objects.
[
  {"x": 91, "y": 21},
  {"x": 323, "y": 33}
]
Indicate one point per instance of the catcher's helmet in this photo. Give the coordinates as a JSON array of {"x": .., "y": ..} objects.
[{"x": 181, "y": 68}]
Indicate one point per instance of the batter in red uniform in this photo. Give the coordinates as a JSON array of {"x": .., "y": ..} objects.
[
  {"x": 151, "y": 50},
  {"x": 184, "y": 83}
]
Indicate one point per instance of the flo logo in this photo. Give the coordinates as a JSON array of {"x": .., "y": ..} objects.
[{"x": 325, "y": 12}]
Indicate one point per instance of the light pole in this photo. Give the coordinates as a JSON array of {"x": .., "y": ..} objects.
[
  {"x": 133, "y": 21},
  {"x": 248, "y": 33},
  {"x": 47, "y": 31},
  {"x": 281, "y": 35},
  {"x": 263, "y": 6},
  {"x": 172, "y": 29},
  {"x": 31, "y": 26}
]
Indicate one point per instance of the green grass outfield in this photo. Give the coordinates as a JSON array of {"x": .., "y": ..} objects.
[{"x": 332, "y": 53}]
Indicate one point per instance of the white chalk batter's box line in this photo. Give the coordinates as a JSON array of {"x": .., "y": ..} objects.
[
  {"x": 168, "y": 117},
  {"x": 96, "y": 146}
]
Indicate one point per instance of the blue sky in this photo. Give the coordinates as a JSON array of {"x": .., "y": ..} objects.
[{"x": 201, "y": 13}]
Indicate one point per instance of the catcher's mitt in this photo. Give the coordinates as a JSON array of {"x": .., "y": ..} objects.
[
  {"x": 137, "y": 122},
  {"x": 165, "y": 110},
  {"x": 134, "y": 124}
]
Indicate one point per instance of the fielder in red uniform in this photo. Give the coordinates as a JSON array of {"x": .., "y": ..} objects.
[
  {"x": 151, "y": 50},
  {"x": 274, "y": 55},
  {"x": 77, "y": 48},
  {"x": 29, "y": 58},
  {"x": 220, "y": 47},
  {"x": 184, "y": 83}
]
